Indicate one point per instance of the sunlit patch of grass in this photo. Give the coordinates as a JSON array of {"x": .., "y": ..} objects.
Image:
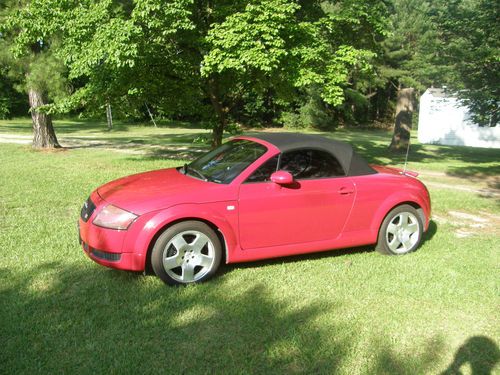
[
  {"x": 193, "y": 315},
  {"x": 345, "y": 311}
]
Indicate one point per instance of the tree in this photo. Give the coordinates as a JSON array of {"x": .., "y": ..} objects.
[
  {"x": 406, "y": 66},
  {"x": 470, "y": 37},
  {"x": 28, "y": 48},
  {"x": 198, "y": 56},
  {"x": 133, "y": 55},
  {"x": 184, "y": 54},
  {"x": 115, "y": 52},
  {"x": 290, "y": 46},
  {"x": 126, "y": 54},
  {"x": 403, "y": 119}
]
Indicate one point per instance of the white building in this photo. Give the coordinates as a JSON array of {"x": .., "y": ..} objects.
[{"x": 444, "y": 120}]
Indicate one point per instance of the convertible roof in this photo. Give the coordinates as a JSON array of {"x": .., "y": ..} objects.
[{"x": 353, "y": 164}]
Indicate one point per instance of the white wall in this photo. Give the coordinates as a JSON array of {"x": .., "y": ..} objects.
[{"x": 442, "y": 120}]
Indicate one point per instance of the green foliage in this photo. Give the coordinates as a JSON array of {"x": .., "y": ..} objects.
[
  {"x": 470, "y": 37},
  {"x": 251, "y": 40},
  {"x": 290, "y": 48},
  {"x": 407, "y": 58},
  {"x": 312, "y": 114},
  {"x": 99, "y": 48},
  {"x": 250, "y": 62},
  {"x": 453, "y": 43},
  {"x": 271, "y": 42},
  {"x": 12, "y": 103},
  {"x": 409, "y": 53},
  {"x": 116, "y": 51},
  {"x": 28, "y": 40}
]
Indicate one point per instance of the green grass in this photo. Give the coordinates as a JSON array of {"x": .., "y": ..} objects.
[{"x": 348, "y": 312}]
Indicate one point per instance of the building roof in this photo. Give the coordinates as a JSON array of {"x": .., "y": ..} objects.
[{"x": 353, "y": 164}]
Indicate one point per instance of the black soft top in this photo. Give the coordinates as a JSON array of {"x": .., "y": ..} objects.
[{"x": 353, "y": 164}]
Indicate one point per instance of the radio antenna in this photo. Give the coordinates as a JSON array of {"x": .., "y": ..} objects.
[{"x": 407, "y": 152}]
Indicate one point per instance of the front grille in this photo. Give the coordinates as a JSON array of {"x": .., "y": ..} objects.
[
  {"x": 87, "y": 210},
  {"x": 112, "y": 257}
]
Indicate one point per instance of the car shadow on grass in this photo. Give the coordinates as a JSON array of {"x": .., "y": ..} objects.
[
  {"x": 57, "y": 318},
  {"x": 61, "y": 318},
  {"x": 431, "y": 231},
  {"x": 297, "y": 258}
]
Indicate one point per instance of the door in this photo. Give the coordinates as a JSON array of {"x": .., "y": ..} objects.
[{"x": 314, "y": 208}]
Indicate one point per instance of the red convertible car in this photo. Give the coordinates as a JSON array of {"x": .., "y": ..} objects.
[{"x": 254, "y": 197}]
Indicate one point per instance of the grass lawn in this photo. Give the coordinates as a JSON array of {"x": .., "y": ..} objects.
[{"x": 346, "y": 311}]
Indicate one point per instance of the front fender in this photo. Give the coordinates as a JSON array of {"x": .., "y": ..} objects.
[{"x": 218, "y": 214}]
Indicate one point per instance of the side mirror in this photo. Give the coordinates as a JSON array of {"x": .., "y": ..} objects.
[{"x": 282, "y": 178}]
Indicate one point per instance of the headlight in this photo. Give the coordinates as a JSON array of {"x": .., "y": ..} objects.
[{"x": 114, "y": 218}]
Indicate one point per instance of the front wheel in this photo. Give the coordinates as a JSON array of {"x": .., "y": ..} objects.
[
  {"x": 187, "y": 252},
  {"x": 400, "y": 232}
]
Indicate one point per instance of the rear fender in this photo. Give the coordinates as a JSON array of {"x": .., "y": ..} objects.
[{"x": 395, "y": 200}]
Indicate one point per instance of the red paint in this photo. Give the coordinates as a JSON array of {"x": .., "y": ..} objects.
[
  {"x": 282, "y": 178},
  {"x": 268, "y": 220},
  {"x": 307, "y": 211}
]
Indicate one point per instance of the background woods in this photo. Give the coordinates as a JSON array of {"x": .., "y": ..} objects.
[{"x": 297, "y": 64}]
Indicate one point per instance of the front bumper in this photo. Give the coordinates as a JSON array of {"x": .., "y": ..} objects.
[
  {"x": 105, "y": 246},
  {"x": 104, "y": 254}
]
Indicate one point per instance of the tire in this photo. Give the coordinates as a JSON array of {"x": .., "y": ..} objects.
[
  {"x": 185, "y": 253},
  {"x": 400, "y": 232}
]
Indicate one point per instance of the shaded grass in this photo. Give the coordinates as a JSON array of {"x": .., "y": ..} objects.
[
  {"x": 65, "y": 126},
  {"x": 170, "y": 136},
  {"x": 347, "y": 311}
]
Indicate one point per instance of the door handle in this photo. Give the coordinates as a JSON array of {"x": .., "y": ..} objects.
[{"x": 345, "y": 190}]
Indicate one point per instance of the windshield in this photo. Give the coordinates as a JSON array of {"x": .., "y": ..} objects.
[{"x": 226, "y": 162}]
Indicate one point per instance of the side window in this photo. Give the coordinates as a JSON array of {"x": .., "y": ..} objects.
[
  {"x": 310, "y": 164},
  {"x": 264, "y": 172}
]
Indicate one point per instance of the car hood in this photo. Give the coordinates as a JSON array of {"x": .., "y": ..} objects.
[{"x": 150, "y": 191}]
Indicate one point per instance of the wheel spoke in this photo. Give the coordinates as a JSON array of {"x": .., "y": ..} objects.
[
  {"x": 407, "y": 244},
  {"x": 178, "y": 242},
  {"x": 403, "y": 219},
  {"x": 187, "y": 272},
  {"x": 199, "y": 243},
  {"x": 392, "y": 228},
  {"x": 171, "y": 262},
  {"x": 203, "y": 260},
  {"x": 394, "y": 244},
  {"x": 412, "y": 228}
]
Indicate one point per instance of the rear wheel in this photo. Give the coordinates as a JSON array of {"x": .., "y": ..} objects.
[
  {"x": 400, "y": 232},
  {"x": 187, "y": 252}
]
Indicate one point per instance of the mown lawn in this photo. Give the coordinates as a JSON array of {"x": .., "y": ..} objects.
[{"x": 348, "y": 312}]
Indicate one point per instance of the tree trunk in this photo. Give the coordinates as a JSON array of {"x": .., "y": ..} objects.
[
  {"x": 109, "y": 116},
  {"x": 220, "y": 112},
  {"x": 402, "y": 126},
  {"x": 43, "y": 131}
]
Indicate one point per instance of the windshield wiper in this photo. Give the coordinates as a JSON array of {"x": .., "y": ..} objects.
[{"x": 188, "y": 169}]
